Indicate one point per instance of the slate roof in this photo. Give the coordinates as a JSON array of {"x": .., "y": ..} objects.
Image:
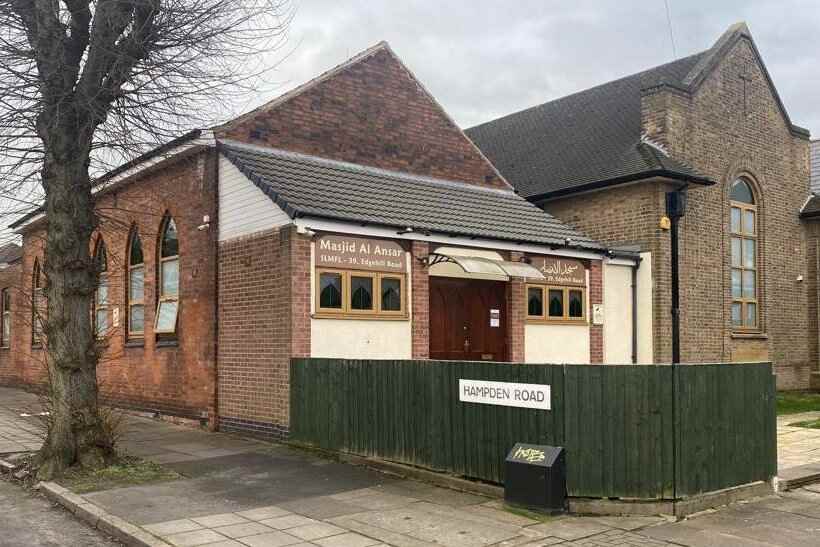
[
  {"x": 592, "y": 139},
  {"x": 309, "y": 186},
  {"x": 812, "y": 207},
  {"x": 582, "y": 139},
  {"x": 9, "y": 253}
]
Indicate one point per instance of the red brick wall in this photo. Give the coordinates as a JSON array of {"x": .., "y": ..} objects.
[
  {"x": 264, "y": 306},
  {"x": 596, "y": 296},
  {"x": 11, "y": 373},
  {"x": 420, "y": 286},
  {"x": 179, "y": 378},
  {"x": 372, "y": 113},
  {"x": 517, "y": 312}
]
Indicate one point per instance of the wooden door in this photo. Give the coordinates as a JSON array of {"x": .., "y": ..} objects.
[{"x": 468, "y": 319}]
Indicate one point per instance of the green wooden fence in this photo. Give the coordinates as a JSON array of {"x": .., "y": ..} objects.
[{"x": 640, "y": 431}]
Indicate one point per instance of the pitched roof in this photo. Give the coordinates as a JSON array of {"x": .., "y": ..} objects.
[
  {"x": 9, "y": 253},
  {"x": 584, "y": 138},
  {"x": 811, "y": 208},
  {"x": 310, "y": 186},
  {"x": 592, "y": 139}
]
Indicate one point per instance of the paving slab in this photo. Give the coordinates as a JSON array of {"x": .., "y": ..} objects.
[
  {"x": 243, "y": 530},
  {"x": 271, "y": 539}
]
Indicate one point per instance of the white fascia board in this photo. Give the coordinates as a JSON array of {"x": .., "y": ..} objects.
[
  {"x": 205, "y": 139},
  {"x": 323, "y": 225},
  {"x": 621, "y": 261}
]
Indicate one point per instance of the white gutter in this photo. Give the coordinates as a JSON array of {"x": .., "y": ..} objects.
[{"x": 314, "y": 224}]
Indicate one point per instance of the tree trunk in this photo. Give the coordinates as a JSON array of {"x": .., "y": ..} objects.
[{"x": 76, "y": 434}]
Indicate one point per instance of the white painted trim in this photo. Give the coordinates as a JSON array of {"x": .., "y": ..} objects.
[
  {"x": 620, "y": 261},
  {"x": 318, "y": 224}
]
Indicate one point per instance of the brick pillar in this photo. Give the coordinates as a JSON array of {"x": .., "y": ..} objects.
[
  {"x": 420, "y": 283},
  {"x": 299, "y": 294},
  {"x": 596, "y": 296},
  {"x": 516, "y": 314}
]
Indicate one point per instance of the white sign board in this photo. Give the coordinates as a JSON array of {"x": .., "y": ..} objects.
[
  {"x": 597, "y": 314},
  {"x": 504, "y": 394}
]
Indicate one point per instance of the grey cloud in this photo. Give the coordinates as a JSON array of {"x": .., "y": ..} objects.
[{"x": 482, "y": 59}]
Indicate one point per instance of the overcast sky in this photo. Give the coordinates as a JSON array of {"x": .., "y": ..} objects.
[{"x": 482, "y": 59}]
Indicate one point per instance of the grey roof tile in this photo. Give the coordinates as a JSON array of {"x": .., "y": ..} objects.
[
  {"x": 584, "y": 138},
  {"x": 310, "y": 186}
]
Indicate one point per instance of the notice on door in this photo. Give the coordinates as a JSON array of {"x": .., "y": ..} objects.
[
  {"x": 504, "y": 394},
  {"x": 495, "y": 318}
]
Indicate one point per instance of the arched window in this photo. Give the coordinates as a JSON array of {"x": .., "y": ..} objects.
[
  {"x": 168, "y": 282},
  {"x": 136, "y": 287},
  {"x": 37, "y": 308},
  {"x": 101, "y": 310},
  {"x": 745, "y": 276}
]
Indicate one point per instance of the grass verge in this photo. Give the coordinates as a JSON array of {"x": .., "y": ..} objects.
[
  {"x": 811, "y": 424},
  {"x": 128, "y": 471},
  {"x": 795, "y": 402}
]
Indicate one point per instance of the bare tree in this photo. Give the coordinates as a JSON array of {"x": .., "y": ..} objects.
[{"x": 85, "y": 84}]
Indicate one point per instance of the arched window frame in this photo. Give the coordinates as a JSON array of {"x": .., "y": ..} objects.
[
  {"x": 102, "y": 309},
  {"x": 135, "y": 294},
  {"x": 168, "y": 270},
  {"x": 37, "y": 301},
  {"x": 5, "y": 317},
  {"x": 744, "y": 242}
]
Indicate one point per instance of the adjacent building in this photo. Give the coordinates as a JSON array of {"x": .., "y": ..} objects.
[{"x": 713, "y": 123}]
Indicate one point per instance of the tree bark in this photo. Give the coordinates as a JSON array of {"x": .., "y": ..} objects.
[{"x": 76, "y": 434}]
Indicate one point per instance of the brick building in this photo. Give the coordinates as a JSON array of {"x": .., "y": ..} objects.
[
  {"x": 349, "y": 218},
  {"x": 602, "y": 160}
]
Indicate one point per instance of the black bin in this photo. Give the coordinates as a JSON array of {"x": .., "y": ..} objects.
[{"x": 536, "y": 477}]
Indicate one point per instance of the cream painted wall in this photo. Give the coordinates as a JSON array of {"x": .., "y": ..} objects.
[
  {"x": 617, "y": 314},
  {"x": 360, "y": 338},
  {"x": 645, "y": 289},
  {"x": 556, "y": 344}
]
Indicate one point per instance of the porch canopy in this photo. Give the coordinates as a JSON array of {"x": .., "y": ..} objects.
[{"x": 486, "y": 266}]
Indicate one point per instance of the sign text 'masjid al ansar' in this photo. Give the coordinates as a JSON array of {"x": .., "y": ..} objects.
[{"x": 334, "y": 251}]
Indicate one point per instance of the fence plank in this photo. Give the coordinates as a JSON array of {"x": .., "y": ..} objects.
[{"x": 627, "y": 431}]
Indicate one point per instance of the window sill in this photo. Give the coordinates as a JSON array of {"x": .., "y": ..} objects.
[
  {"x": 567, "y": 322},
  {"x": 366, "y": 317},
  {"x": 37, "y": 346},
  {"x": 135, "y": 344},
  {"x": 750, "y": 336},
  {"x": 167, "y": 344},
  {"x": 5, "y": 347}
]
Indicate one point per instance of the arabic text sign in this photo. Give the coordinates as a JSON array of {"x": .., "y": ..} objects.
[
  {"x": 561, "y": 271},
  {"x": 504, "y": 394}
]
